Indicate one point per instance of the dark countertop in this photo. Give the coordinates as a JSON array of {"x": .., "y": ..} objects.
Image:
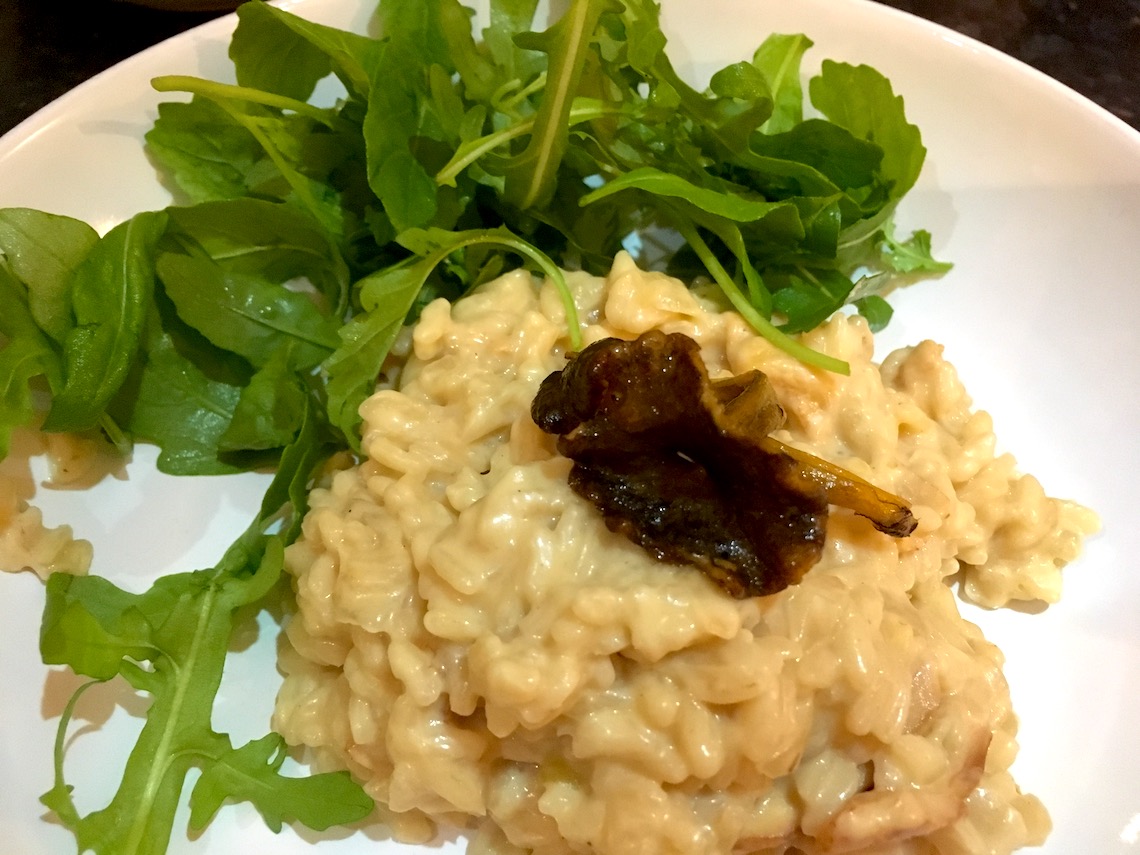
[
  {"x": 1092, "y": 46},
  {"x": 47, "y": 47}
]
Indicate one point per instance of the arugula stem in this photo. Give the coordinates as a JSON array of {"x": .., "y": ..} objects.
[
  {"x": 470, "y": 152},
  {"x": 303, "y": 191},
  {"x": 522, "y": 247},
  {"x": 555, "y": 274},
  {"x": 218, "y": 91},
  {"x": 184, "y": 677},
  {"x": 66, "y": 810},
  {"x": 543, "y": 153},
  {"x": 115, "y": 434},
  {"x": 747, "y": 311},
  {"x": 506, "y": 104}
]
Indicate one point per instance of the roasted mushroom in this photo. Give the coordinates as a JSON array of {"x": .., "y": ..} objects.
[{"x": 684, "y": 466}]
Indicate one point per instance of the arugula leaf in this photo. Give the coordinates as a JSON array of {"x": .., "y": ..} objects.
[
  {"x": 861, "y": 100},
  {"x": 203, "y": 150},
  {"x": 176, "y": 626},
  {"x": 400, "y": 120},
  {"x": 270, "y": 408},
  {"x": 251, "y": 773},
  {"x": 20, "y": 363},
  {"x": 506, "y": 18},
  {"x": 721, "y": 203},
  {"x": 182, "y": 410},
  {"x": 832, "y": 151},
  {"x": 110, "y": 292},
  {"x": 243, "y": 314},
  {"x": 26, "y": 355},
  {"x": 876, "y": 310},
  {"x": 269, "y": 54},
  {"x": 273, "y": 241},
  {"x": 181, "y": 628},
  {"x": 911, "y": 255},
  {"x": 810, "y": 297},
  {"x": 531, "y": 175},
  {"x": 43, "y": 251},
  {"x": 778, "y": 58},
  {"x": 353, "y": 368}
]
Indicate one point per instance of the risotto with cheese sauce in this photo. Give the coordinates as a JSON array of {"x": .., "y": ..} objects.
[{"x": 476, "y": 646}]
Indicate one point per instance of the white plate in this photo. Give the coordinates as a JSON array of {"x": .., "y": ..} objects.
[{"x": 1030, "y": 189}]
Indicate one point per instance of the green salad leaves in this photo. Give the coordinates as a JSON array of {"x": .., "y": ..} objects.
[
  {"x": 243, "y": 326},
  {"x": 187, "y": 328}
]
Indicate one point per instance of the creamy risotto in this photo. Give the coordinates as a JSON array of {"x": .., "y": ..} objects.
[
  {"x": 480, "y": 651},
  {"x": 25, "y": 542}
]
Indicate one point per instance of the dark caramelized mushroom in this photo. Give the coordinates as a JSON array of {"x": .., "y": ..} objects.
[{"x": 684, "y": 467}]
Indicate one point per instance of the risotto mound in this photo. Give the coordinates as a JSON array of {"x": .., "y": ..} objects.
[{"x": 481, "y": 652}]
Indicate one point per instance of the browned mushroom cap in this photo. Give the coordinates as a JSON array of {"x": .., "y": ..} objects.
[{"x": 684, "y": 467}]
